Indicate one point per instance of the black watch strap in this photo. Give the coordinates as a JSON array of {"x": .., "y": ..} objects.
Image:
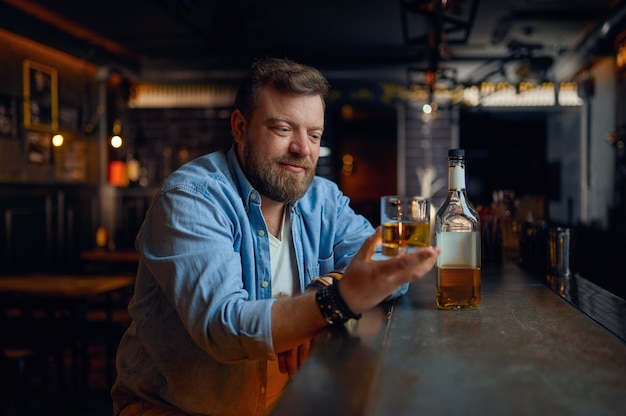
[
  {"x": 332, "y": 306},
  {"x": 323, "y": 281}
]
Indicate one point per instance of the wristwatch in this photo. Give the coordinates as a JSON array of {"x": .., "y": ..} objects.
[
  {"x": 326, "y": 280},
  {"x": 332, "y": 306}
]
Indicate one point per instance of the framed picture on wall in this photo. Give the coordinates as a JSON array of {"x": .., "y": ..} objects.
[
  {"x": 8, "y": 117},
  {"x": 41, "y": 100},
  {"x": 38, "y": 146}
]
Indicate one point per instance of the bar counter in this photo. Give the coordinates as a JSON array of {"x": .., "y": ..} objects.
[{"x": 533, "y": 347}]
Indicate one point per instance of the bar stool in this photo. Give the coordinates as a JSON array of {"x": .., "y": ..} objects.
[{"x": 14, "y": 365}]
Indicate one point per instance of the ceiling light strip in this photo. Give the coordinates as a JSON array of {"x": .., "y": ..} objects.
[
  {"x": 181, "y": 96},
  {"x": 524, "y": 94}
]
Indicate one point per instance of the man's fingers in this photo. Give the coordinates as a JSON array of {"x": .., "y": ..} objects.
[
  {"x": 290, "y": 361},
  {"x": 418, "y": 263},
  {"x": 303, "y": 353},
  {"x": 369, "y": 245},
  {"x": 282, "y": 362}
]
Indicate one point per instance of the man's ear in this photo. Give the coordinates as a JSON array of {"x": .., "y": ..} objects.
[{"x": 238, "y": 125}]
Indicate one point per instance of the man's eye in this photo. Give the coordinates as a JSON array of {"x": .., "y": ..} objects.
[{"x": 282, "y": 129}]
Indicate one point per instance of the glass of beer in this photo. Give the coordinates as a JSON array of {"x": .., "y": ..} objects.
[{"x": 406, "y": 223}]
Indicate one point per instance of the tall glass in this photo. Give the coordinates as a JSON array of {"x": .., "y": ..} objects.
[{"x": 406, "y": 223}]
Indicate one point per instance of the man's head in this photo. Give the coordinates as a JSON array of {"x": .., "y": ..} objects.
[
  {"x": 277, "y": 124},
  {"x": 285, "y": 75}
]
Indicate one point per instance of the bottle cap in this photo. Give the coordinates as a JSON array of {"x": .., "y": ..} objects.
[{"x": 456, "y": 154}]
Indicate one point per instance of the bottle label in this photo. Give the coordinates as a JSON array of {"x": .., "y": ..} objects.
[
  {"x": 459, "y": 249},
  {"x": 457, "y": 178}
]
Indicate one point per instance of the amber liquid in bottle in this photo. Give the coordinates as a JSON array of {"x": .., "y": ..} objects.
[
  {"x": 458, "y": 289},
  {"x": 457, "y": 233}
]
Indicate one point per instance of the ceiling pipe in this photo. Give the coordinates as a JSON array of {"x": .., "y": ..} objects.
[{"x": 569, "y": 65}]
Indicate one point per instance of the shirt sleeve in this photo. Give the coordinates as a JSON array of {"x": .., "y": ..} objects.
[{"x": 192, "y": 248}]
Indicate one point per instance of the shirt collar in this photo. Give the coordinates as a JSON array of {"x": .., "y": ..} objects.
[{"x": 249, "y": 195}]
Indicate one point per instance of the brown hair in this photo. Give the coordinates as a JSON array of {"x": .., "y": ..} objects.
[{"x": 285, "y": 75}]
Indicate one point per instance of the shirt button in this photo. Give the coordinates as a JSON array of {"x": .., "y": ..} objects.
[
  {"x": 261, "y": 233},
  {"x": 264, "y": 284},
  {"x": 252, "y": 195}
]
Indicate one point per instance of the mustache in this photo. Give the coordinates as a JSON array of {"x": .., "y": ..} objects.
[{"x": 303, "y": 163}]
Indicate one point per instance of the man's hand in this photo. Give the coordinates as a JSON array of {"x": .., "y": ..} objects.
[
  {"x": 367, "y": 282},
  {"x": 291, "y": 360}
]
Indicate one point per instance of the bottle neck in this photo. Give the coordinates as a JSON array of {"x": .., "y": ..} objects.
[{"x": 456, "y": 175}]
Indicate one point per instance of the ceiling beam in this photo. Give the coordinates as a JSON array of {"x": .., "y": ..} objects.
[{"x": 51, "y": 30}]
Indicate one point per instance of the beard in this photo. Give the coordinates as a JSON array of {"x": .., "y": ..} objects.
[{"x": 282, "y": 186}]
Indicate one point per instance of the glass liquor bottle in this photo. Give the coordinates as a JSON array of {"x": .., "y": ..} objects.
[{"x": 457, "y": 233}]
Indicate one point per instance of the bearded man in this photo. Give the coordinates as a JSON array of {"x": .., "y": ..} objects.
[{"x": 245, "y": 256}]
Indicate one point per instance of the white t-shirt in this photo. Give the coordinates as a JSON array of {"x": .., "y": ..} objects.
[
  {"x": 283, "y": 261},
  {"x": 285, "y": 282}
]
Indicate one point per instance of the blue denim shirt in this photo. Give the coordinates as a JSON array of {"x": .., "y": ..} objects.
[{"x": 201, "y": 331}]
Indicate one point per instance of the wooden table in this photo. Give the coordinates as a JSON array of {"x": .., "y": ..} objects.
[
  {"x": 101, "y": 255},
  {"x": 102, "y": 261},
  {"x": 65, "y": 301},
  {"x": 527, "y": 350},
  {"x": 64, "y": 285}
]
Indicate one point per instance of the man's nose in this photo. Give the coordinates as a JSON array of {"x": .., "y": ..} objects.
[{"x": 300, "y": 143}]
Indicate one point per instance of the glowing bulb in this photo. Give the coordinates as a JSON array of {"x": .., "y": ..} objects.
[
  {"x": 57, "y": 140},
  {"x": 427, "y": 109},
  {"x": 116, "y": 142}
]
